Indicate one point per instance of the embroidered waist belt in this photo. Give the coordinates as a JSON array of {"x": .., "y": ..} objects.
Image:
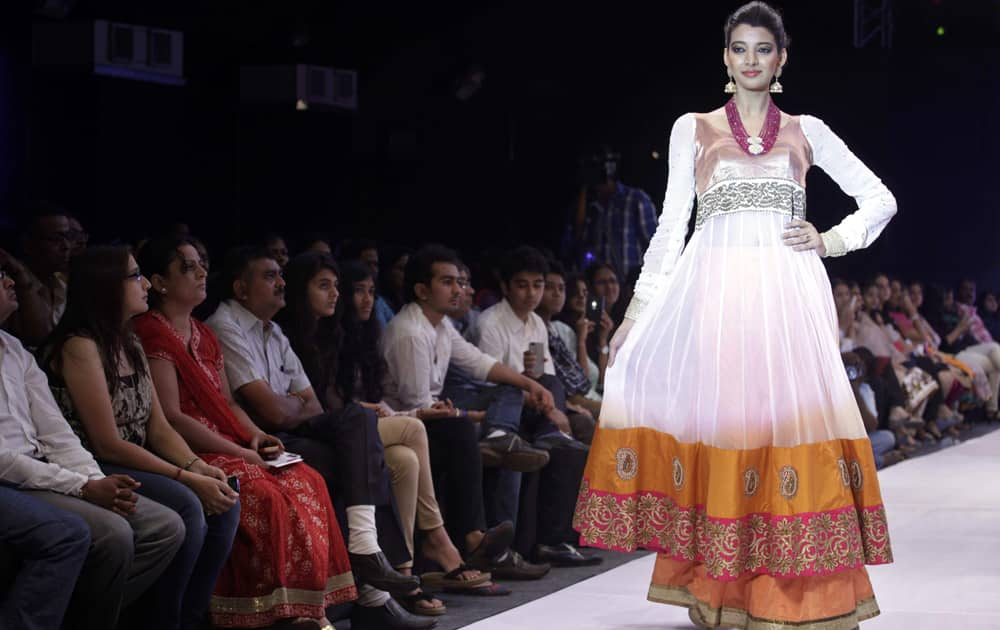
[{"x": 752, "y": 195}]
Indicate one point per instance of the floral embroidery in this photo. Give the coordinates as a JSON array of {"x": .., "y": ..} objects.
[
  {"x": 751, "y": 481},
  {"x": 626, "y": 463},
  {"x": 751, "y": 195},
  {"x": 789, "y": 482},
  {"x": 818, "y": 543}
]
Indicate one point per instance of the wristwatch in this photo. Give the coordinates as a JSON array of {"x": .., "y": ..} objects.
[{"x": 606, "y": 350}]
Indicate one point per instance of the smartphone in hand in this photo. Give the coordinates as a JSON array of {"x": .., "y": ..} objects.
[
  {"x": 595, "y": 308},
  {"x": 537, "y": 350}
]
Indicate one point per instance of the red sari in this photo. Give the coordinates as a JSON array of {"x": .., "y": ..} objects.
[{"x": 288, "y": 558}]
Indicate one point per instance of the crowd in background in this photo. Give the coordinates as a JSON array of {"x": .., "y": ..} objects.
[{"x": 441, "y": 410}]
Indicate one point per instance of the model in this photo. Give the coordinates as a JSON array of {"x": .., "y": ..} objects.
[{"x": 730, "y": 441}]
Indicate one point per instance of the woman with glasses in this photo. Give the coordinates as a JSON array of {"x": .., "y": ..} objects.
[{"x": 100, "y": 378}]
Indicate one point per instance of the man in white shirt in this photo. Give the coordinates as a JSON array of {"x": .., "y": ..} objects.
[
  {"x": 131, "y": 539},
  {"x": 268, "y": 379}
]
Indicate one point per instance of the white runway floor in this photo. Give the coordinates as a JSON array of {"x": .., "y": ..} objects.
[{"x": 944, "y": 522}]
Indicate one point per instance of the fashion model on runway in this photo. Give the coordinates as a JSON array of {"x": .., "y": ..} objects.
[{"x": 729, "y": 439}]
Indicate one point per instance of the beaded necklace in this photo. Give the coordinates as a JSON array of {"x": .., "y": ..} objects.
[{"x": 754, "y": 145}]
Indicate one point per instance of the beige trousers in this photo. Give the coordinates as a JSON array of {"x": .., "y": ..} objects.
[{"x": 406, "y": 455}]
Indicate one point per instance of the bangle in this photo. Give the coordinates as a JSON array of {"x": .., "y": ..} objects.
[
  {"x": 188, "y": 465},
  {"x": 177, "y": 475}
]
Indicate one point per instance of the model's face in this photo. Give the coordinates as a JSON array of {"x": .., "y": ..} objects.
[
  {"x": 916, "y": 295},
  {"x": 364, "y": 298},
  {"x": 185, "y": 281},
  {"x": 262, "y": 288},
  {"x": 606, "y": 286},
  {"x": 524, "y": 291},
  {"x": 554, "y": 298},
  {"x": 134, "y": 302},
  {"x": 578, "y": 303},
  {"x": 753, "y": 58},
  {"x": 444, "y": 293},
  {"x": 279, "y": 250},
  {"x": 323, "y": 293}
]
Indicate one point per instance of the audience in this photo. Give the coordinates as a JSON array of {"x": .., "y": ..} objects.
[
  {"x": 336, "y": 337},
  {"x": 267, "y": 377},
  {"x": 286, "y": 514},
  {"x": 989, "y": 311},
  {"x": 100, "y": 379},
  {"x": 132, "y": 538},
  {"x": 276, "y": 245},
  {"x": 420, "y": 344},
  {"x": 41, "y": 276}
]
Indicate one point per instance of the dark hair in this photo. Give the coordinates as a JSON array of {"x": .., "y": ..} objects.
[
  {"x": 836, "y": 282},
  {"x": 351, "y": 249},
  {"x": 758, "y": 14},
  {"x": 572, "y": 281},
  {"x": 271, "y": 237},
  {"x": 235, "y": 265},
  {"x": 522, "y": 259},
  {"x": 420, "y": 267},
  {"x": 555, "y": 267},
  {"x": 39, "y": 210},
  {"x": 314, "y": 340},
  {"x": 155, "y": 258},
  {"x": 359, "y": 353},
  {"x": 95, "y": 297},
  {"x": 311, "y": 238},
  {"x": 869, "y": 361},
  {"x": 596, "y": 266}
]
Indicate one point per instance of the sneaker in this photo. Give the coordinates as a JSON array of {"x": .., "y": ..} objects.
[{"x": 510, "y": 451}]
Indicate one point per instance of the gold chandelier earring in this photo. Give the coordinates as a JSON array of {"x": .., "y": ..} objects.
[
  {"x": 731, "y": 86},
  {"x": 777, "y": 87}
]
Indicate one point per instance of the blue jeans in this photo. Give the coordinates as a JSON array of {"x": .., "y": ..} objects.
[
  {"x": 882, "y": 442},
  {"x": 180, "y": 598},
  {"x": 51, "y": 545}
]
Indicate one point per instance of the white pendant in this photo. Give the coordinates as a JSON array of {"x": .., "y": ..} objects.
[{"x": 755, "y": 149}]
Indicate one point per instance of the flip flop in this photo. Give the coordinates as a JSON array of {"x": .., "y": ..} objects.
[
  {"x": 409, "y": 602},
  {"x": 452, "y": 580}
]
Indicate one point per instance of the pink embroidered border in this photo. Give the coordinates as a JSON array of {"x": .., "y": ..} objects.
[{"x": 807, "y": 544}]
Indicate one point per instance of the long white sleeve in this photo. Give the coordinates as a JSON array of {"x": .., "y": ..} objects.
[
  {"x": 876, "y": 204},
  {"x": 668, "y": 241}
]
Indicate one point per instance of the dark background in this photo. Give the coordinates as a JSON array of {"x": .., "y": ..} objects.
[{"x": 414, "y": 163}]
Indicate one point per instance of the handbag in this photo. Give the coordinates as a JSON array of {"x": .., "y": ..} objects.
[{"x": 917, "y": 386}]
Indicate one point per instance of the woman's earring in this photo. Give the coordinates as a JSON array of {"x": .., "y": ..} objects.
[
  {"x": 777, "y": 87},
  {"x": 731, "y": 86}
]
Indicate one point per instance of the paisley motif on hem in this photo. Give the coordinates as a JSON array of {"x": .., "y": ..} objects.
[{"x": 816, "y": 543}]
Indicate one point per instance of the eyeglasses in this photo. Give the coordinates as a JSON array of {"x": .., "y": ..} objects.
[
  {"x": 3, "y": 274},
  {"x": 188, "y": 266},
  {"x": 135, "y": 275}
]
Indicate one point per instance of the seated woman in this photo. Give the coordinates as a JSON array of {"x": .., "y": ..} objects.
[
  {"x": 337, "y": 341},
  {"x": 289, "y": 560},
  {"x": 989, "y": 311},
  {"x": 99, "y": 377}
]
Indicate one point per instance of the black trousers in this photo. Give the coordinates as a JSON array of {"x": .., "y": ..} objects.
[
  {"x": 457, "y": 470},
  {"x": 345, "y": 448}
]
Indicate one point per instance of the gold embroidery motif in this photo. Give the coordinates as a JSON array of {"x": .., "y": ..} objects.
[
  {"x": 626, "y": 463},
  {"x": 751, "y": 481},
  {"x": 817, "y": 543},
  {"x": 857, "y": 477},
  {"x": 845, "y": 477},
  {"x": 789, "y": 482},
  {"x": 678, "y": 473},
  {"x": 752, "y": 195}
]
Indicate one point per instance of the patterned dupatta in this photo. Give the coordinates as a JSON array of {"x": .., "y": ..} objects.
[{"x": 160, "y": 340}]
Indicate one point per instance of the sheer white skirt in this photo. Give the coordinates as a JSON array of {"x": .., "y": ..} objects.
[{"x": 740, "y": 350}]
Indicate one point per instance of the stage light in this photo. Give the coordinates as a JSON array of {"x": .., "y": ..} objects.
[
  {"x": 655, "y": 155},
  {"x": 940, "y": 31}
]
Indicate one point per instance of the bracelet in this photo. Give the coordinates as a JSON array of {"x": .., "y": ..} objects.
[
  {"x": 177, "y": 475},
  {"x": 188, "y": 465}
]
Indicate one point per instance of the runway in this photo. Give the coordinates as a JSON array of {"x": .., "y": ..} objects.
[{"x": 944, "y": 520}]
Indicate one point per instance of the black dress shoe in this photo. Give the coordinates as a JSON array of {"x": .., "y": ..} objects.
[
  {"x": 374, "y": 570},
  {"x": 389, "y": 616},
  {"x": 565, "y": 555}
]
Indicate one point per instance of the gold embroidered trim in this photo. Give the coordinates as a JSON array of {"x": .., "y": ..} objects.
[
  {"x": 751, "y": 195},
  {"x": 279, "y": 596},
  {"x": 635, "y": 308},
  {"x": 834, "y": 243},
  {"x": 738, "y": 618}
]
